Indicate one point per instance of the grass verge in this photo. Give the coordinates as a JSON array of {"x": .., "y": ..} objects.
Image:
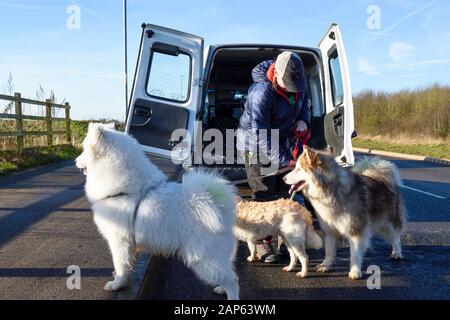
[
  {"x": 438, "y": 150},
  {"x": 31, "y": 157}
]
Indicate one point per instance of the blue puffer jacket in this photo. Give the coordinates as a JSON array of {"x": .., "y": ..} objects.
[{"x": 266, "y": 109}]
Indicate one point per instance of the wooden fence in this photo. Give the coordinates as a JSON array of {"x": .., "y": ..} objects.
[{"x": 19, "y": 133}]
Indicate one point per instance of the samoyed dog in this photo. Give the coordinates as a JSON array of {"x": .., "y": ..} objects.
[{"x": 137, "y": 209}]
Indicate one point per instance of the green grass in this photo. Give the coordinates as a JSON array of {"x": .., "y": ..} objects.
[
  {"x": 439, "y": 150},
  {"x": 11, "y": 161},
  {"x": 79, "y": 131}
]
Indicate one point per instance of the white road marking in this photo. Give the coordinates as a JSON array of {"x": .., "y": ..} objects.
[{"x": 424, "y": 192}]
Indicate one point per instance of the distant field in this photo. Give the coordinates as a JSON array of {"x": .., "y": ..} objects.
[
  {"x": 36, "y": 152},
  {"x": 408, "y": 121},
  {"x": 409, "y": 115},
  {"x": 78, "y": 128},
  {"x": 31, "y": 141}
]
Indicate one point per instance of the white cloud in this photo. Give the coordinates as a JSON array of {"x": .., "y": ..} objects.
[
  {"x": 366, "y": 67},
  {"x": 401, "y": 54},
  {"x": 402, "y": 57}
]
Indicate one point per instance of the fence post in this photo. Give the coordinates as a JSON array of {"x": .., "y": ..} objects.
[
  {"x": 69, "y": 138},
  {"x": 48, "y": 115},
  {"x": 19, "y": 123}
]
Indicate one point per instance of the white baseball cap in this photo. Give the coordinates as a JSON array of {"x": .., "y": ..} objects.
[{"x": 289, "y": 67}]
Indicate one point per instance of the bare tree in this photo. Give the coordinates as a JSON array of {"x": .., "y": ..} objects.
[
  {"x": 9, "y": 89},
  {"x": 41, "y": 95}
]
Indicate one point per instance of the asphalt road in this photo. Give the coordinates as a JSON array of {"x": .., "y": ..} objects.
[
  {"x": 46, "y": 226},
  {"x": 423, "y": 274}
]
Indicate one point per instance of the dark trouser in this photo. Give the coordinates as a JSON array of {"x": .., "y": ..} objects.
[{"x": 264, "y": 189}]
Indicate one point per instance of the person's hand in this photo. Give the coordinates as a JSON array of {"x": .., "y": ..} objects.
[{"x": 301, "y": 126}]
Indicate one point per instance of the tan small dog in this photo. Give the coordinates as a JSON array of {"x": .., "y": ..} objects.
[{"x": 285, "y": 218}]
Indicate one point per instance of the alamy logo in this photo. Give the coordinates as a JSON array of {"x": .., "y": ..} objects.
[
  {"x": 74, "y": 19},
  {"x": 374, "y": 20},
  {"x": 374, "y": 280},
  {"x": 74, "y": 280},
  {"x": 213, "y": 146}
]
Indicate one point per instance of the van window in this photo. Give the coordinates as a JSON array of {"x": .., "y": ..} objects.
[
  {"x": 169, "y": 76},
  {"x": 336, "y": 80}
]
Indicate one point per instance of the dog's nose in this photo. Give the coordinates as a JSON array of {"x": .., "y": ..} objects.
[{"x": 284, "y": 178}]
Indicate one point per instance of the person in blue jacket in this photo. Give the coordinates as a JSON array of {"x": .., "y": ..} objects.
[{"x": 276, "y": 108}]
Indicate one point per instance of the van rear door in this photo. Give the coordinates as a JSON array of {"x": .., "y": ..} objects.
[
  {"x": 339, "y": 122},
  {"x": 166, "y": 92}
]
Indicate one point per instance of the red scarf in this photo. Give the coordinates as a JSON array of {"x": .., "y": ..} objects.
[{"x": 270, "y": 74}]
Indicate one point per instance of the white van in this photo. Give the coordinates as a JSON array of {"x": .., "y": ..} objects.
[{"x": 177, "y": 86}]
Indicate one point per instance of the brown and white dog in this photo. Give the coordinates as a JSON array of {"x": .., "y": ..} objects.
[
  {"x": 283, "y": 217},
  {"x": 354, "y": 203}
]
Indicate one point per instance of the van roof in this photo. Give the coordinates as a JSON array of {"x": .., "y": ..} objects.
[{"x": 262, "y": 46}]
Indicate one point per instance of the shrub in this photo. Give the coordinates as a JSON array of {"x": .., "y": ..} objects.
[{"x": 413, "y": 113}]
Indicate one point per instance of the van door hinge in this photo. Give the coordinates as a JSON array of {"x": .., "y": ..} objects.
[{"x": 199, "y": 82}]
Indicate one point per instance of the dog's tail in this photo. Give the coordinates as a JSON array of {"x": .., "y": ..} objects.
[
  {"x": 386, "y": 173},
  {"x": 380, "y": 170},
  {"x": 313, "y": 240},
  {"x": 212, "y": 199}
]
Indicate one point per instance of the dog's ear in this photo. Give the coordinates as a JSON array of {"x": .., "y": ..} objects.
[
  {"x": 313, "y": 157},
  {"x": 95, "y": 132},
  {"x": 309, "y": 153}
]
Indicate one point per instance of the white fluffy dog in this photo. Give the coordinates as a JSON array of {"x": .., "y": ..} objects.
[{"x": 136, "y": 208}]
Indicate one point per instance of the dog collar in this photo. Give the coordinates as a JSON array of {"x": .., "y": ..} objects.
[{"x": 116, "y": 195}]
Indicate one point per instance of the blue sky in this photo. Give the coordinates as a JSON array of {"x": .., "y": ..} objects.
[{"x": 84, "y": 66}]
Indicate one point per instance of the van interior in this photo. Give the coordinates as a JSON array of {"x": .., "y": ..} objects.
[{"x": 229, "y": 81}]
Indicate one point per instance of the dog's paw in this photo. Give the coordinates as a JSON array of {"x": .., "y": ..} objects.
[
  {"x": 322, "y": 268},
  {"x": 355, "y": 274},
  {"x": 301, "y": 274},
  {"x": 396, "y": 256},
  {"x": 287, "y": 269},
  {"x": 115, "y": 285},
  {"x": 252, "y": 259},
  {"x": 219, "y": 290}
]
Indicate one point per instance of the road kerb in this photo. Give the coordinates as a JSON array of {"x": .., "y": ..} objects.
[
  {"x": 148, "y": 284},
  {"x": 132, "y": 292},
  {"x": 403, "y": 156}
]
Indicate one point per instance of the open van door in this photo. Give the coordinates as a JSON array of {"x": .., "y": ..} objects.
[
  {"x": 339, "y": 121},
  {"x": 166, "y": 92}
]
